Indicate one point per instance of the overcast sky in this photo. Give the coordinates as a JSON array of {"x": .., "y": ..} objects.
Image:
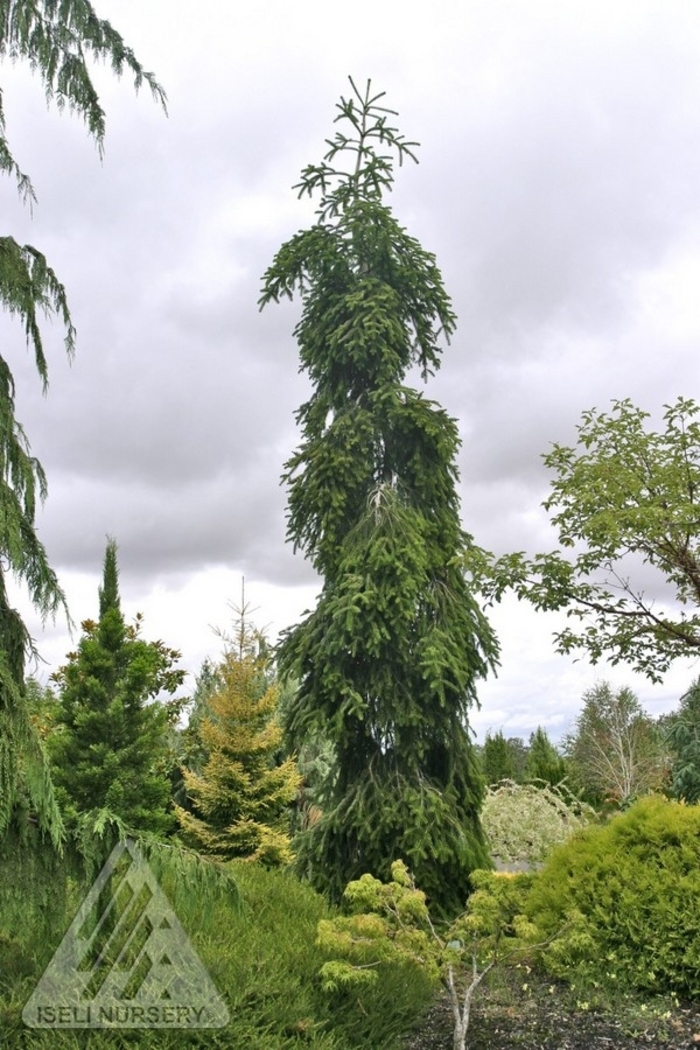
[{"x": 558, "y": 186}]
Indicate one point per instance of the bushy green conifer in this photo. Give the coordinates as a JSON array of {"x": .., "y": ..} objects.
[
  {"x": 497, "y": 759},
  {"x": 544, "y": 761},
  {"x": 683, "y": 740},
  {"x": 110, "y": 745}
]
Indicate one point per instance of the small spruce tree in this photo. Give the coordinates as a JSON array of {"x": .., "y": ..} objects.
[
  {"x": 388, "y": 662},
  {"x": 239, "y": 804},
  {"x": 110, "y": 747}
]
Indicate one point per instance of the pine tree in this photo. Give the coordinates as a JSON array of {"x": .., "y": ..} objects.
[
  {"x": 239, "y": 804},
  {"x": 54, "y": 38},
  {"x": 389, "y": 659},
  {"x": 110, "y": 747}
]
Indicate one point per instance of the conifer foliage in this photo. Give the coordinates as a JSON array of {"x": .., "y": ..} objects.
[
  {"x": 109, "y": 750},
  {"x": 497, "y": 759},
  {"x": 389, "y": 659},
  {"x": 54, "y": 38},
  {"x": 544, "y": 761},
  {"x": 239, "y": 804}
]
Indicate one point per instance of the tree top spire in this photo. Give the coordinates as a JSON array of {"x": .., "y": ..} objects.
[{"x": 109, "y": 591}]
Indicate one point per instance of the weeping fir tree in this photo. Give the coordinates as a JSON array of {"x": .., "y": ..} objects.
[{"x": 388, "y": 661}]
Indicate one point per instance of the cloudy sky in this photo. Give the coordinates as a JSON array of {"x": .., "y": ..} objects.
[{"x": 558, "y": 186}]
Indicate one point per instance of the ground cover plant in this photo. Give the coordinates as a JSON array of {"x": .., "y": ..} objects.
[{"x": 257, "y": 942}]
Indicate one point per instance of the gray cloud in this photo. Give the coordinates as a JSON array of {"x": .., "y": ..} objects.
[{"x": 557, "y": 187}]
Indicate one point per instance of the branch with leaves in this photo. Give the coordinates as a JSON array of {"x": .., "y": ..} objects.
[
  {"x": 390, "y": 923},
  {"x": 624, "y": 499}
]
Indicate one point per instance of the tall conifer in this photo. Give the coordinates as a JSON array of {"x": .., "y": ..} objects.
[
  {"x": 544, "y": 761},
  {"x": 497, "y": 760},
  {"x": 389, "y": 659}
]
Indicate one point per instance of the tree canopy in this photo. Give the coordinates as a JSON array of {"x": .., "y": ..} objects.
[
  {"x": 616, "y": 751},
  {"x": 387, "y": 663},
  {"x": 625, "y": 503}
]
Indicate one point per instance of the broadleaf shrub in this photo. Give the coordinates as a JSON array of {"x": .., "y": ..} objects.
[
  {"x": 388, "y": 933},
  {"x": 629, "y": 891}
]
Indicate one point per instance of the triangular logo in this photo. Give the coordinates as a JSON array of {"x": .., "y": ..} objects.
[{"x": 126, "y": 961}]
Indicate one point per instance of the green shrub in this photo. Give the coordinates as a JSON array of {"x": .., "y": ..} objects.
[{"x": 630, "y": 891}]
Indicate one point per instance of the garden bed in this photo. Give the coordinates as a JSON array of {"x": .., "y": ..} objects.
[{"x": 548, "y": 1015}]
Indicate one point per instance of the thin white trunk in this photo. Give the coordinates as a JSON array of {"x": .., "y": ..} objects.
[{"x": 461, "y": 1011}]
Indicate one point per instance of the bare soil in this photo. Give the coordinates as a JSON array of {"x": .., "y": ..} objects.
[{"x": 547, "y": 1015}]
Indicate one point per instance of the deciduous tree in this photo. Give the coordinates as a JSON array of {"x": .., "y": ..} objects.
[
  {"x": 615, "y": 751},
  {"x": 624, "y": 497},
  {"x": 388, "y": 661},
  {"x": 523, "y": 822},
  {"x": 389, "y": 923}
]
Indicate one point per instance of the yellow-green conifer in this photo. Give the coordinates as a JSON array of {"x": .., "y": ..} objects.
[{"x": 240, "y": 801}]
